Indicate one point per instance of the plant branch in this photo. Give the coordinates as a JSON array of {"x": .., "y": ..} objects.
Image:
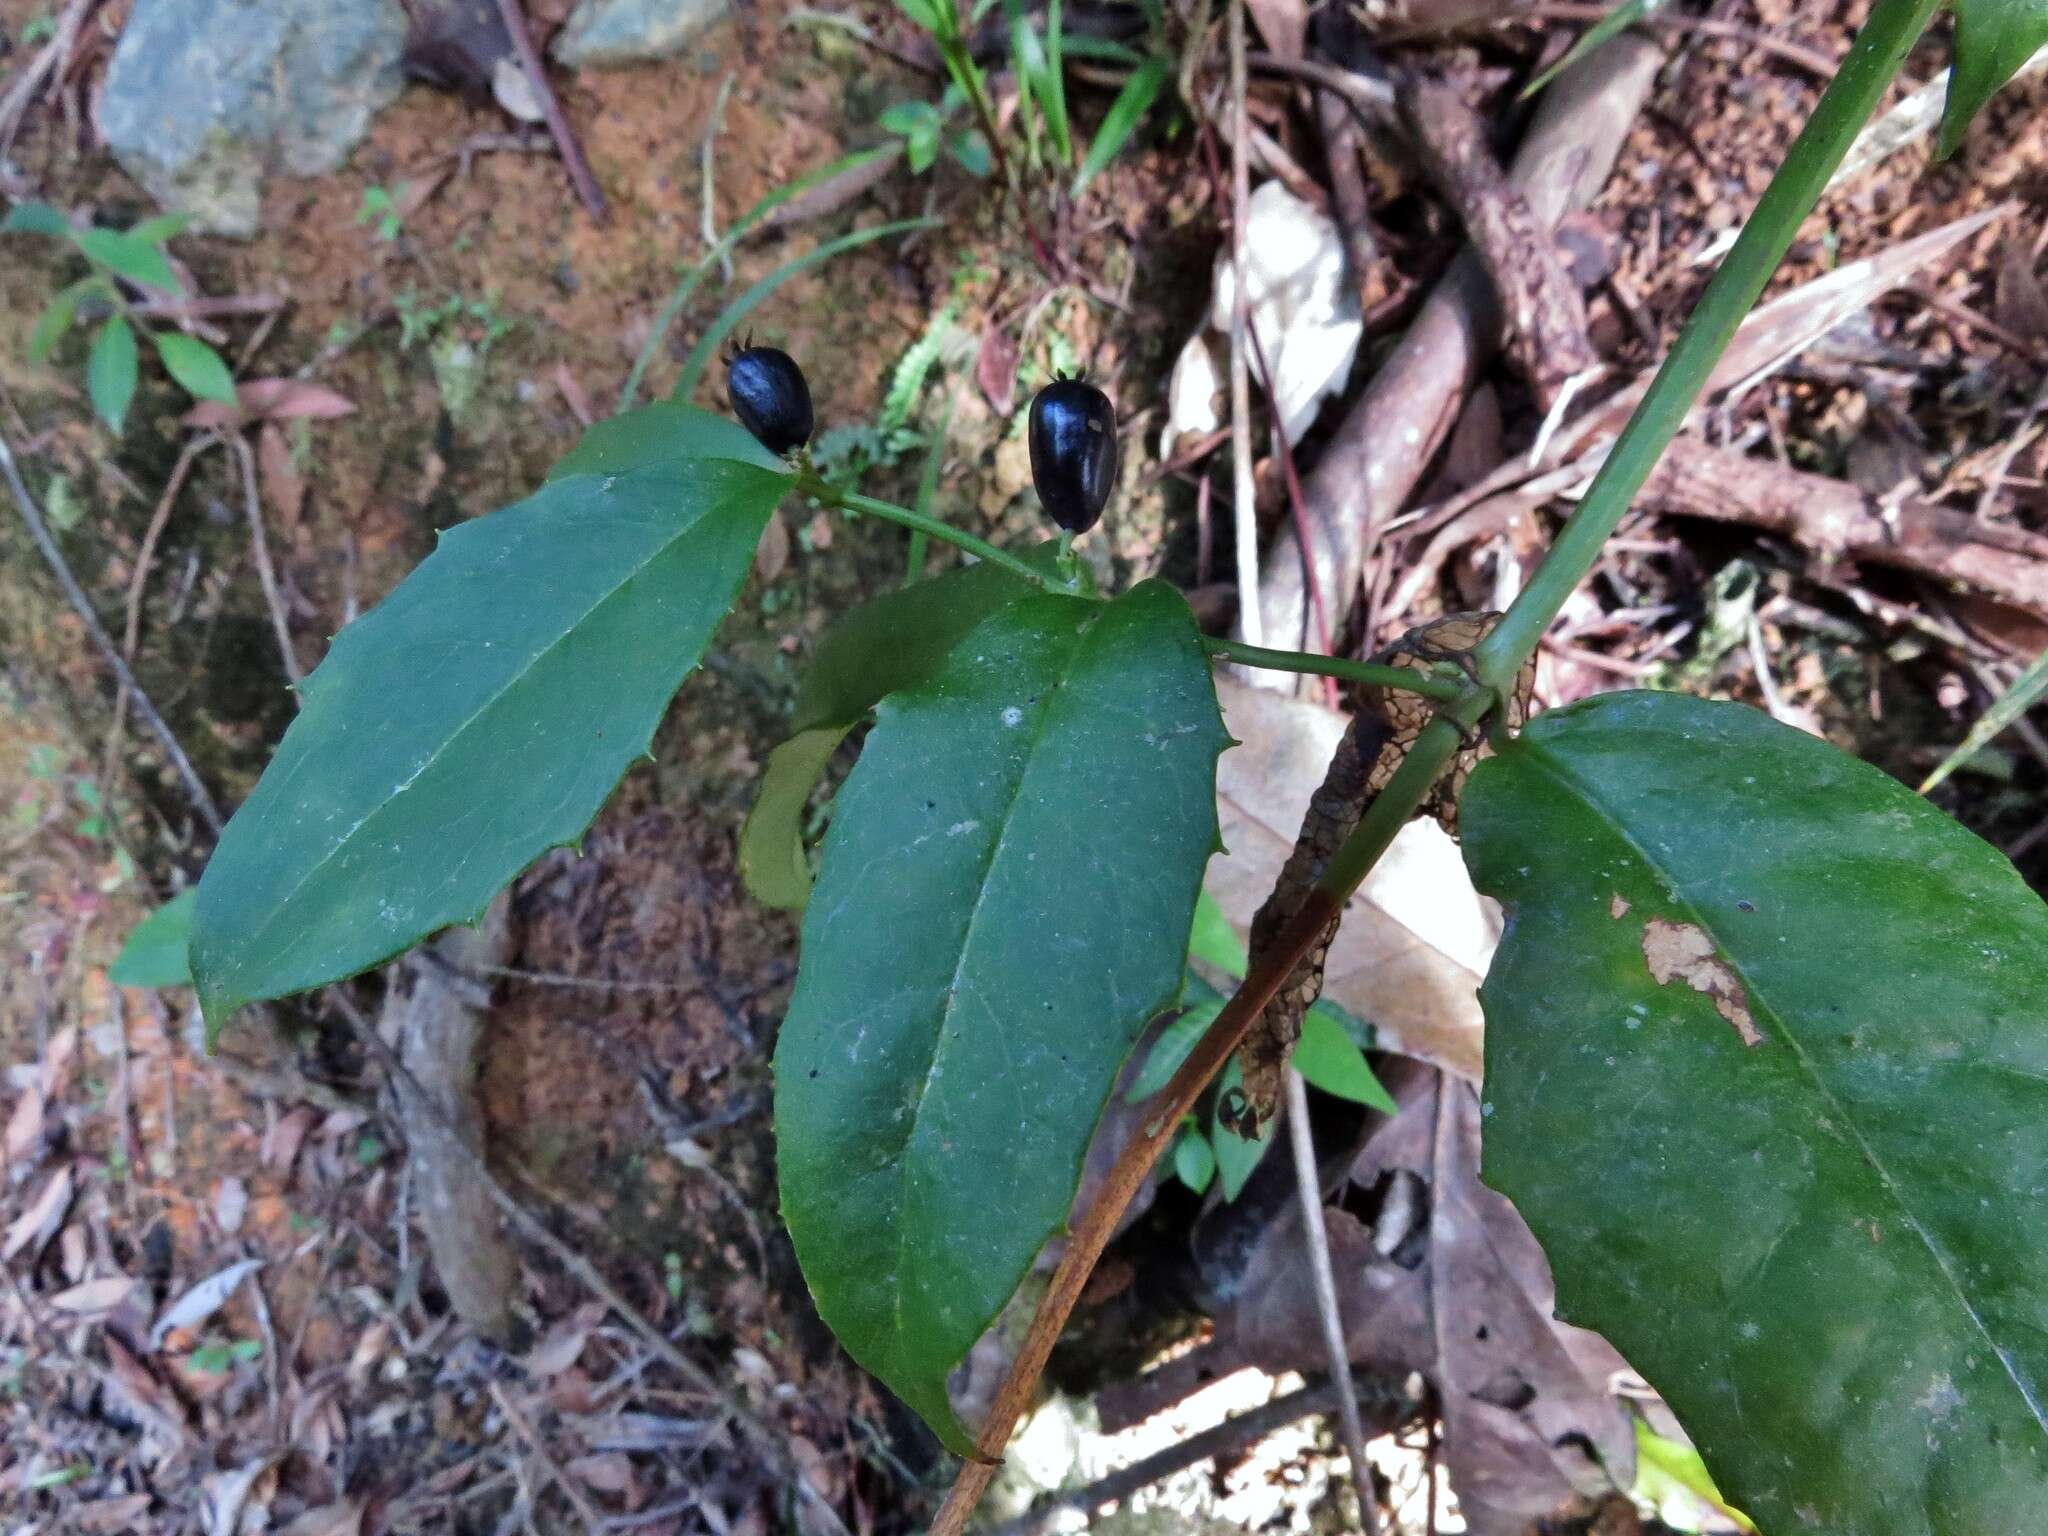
[
  {"x": 202, "y": 802},
  {"x": 1370, "y": 673},
  {"x": 1874, "y": 58},
  {"x": 1849, "y": 100},
  {"x": 815, "y": 486}
]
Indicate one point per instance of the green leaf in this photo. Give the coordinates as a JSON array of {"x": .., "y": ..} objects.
[
  {"x": 2023, "y": 695},
  {"x": 970, "y": 148},
  {"x": 887, "y": 643},
  {"x": 196, "y": 367},
  {"x": 1993, "y": 39},
  {"x": 909, "y": 117},
  {"x": 51, "y": 325},
  {"x": 111, "y": 371},
  {"x": 1194, "y": 1160},
  {"x": 1214, "y": 942},
  {"x": 1122, "y": 119},
  {"x": 1798, "y": 1182},
  {"x": 165, "y": 226},
  {"x": 1004, "y": 905},
  {"x": 1237, "y": 1157},
  {"x": 1329, "y": 1059},
  {"x": 893, "y": 641},
  {"x": 483, "y": 711},
  {"x": 921, "y": 148},
  {"x": 155, "y": 954},
  {"x": 34, "y": 219},
  {"x": 1175, "y": 1044},
  {"x": 772, "y": 862},
  {"x": 1615, "y": 22},
  {"x": 1053, "y": 89},
  {"x": 125, "y": 256}
]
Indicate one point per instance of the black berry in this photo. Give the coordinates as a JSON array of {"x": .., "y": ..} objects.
[
  {"x": 769, "y": 396},
  {"x": 1072, "y": 432}
]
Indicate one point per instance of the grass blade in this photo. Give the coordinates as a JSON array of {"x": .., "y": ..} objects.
[
  {"x": 730, "y": 317},
  {"x": 1125, "y": 113},
  {"x": 2023, "y": 695},
  {"x": 1622, "y": 17}
]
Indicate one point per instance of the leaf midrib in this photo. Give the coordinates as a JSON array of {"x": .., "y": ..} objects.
[
  {"x": 1545, "y": 762},
  {"x": 283, "y": 903},
  {"x": 1054, "y": 703}
]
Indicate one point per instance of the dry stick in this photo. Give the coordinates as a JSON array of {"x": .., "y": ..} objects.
[
  {"x": 131, "y": 629},
  {"x": 1387, "y": 439},
  {"x": 551, "y": 109},
  {"x": 1244, "y": 513},
  {"x": 39, "y": 531},
  {"x": 1545, "y": 314},
  {"x": 593, "y": 1522},
  {"x": 266, "y": 573},
  {"x": 539, "y": 1233},
  {"x": 1294, "y": 500},
  {"x": 14, "y": 105},
  {"x": 1334, "y": 1346}
]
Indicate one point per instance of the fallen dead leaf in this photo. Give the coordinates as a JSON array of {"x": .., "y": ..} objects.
[
  {"x": 119, "y": 1514},
  {"x": 342, "y": 1519},
  {"x": 1416, "y": 938},
  {"x": 270, "y": 400},
  {"x": 25, "y": 1125},
  {"x": 202, "y": 1300},
  {"x": 93, "y": 1298},
  {"x": 771, "y": 556},
  {"x": 38, "y": 1223},
  {"x": 284, "y": 488}
]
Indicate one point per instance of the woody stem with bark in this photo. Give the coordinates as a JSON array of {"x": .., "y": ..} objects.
[{"x": 1873, "y": 60}]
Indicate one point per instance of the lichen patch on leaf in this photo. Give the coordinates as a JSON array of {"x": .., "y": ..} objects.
[
  {"x": 1685, "y": 952},
  {"x": 1617, "y": 907}
]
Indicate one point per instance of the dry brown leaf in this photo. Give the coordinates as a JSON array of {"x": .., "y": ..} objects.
[
  {"x": 270, "y": 400},
  {"x": 771, "y": 555},
  {"x": 286, "y": 1135},
  {"x": 57, "y": 1058},
  {"x": 118, "y": 1514},
  {"x": 2018, "y": 302},
  {"x": 94, "y": 1298},
  {"x": 1416, "y": 937},
  {"x": 342, "y": 1519},
  {"x": 1519, "y": 1407},
  {"x": 38, "y": 1222},
  {"x": 25, "y": 1125},
  {"x": 284, "y": 488}
]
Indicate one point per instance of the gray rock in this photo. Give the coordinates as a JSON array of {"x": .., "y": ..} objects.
[
  {"x": 624, "y": 31},
  {"x": 206, "y": 97}
]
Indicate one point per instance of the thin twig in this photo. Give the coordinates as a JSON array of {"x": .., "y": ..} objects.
[
  {"x": 1244, "y": 513},
  {"x": 14, "y": 105},
  {"x": 259, "y": 543},
  {"x": 132, "y": 627},
  {"x": 1298, "y": 504},
  {"x": 1325, "y": 1279},
  {"x": 712, "y": 244},
  {"x": 39, "y": 531},
  {"x": 1811, "y": 60},
  {"x": 551, "y": 109},
  {"x": 585, "y": 1510}
]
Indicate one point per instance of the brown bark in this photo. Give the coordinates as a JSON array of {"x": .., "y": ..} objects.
[
  {"x": 1835, "y": 521},
  {"x": 1540, "y": 302}
]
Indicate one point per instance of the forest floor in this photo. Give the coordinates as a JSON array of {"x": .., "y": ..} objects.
[{"x": 329, "y": 1388}]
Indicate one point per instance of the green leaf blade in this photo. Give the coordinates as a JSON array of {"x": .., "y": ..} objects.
[
  {"x": 51, "y": 325},
  {"x": 771, "y": 854},
  {"x": 1820, "y": 1141},
  {"x": 534, "y": 651},
  {"x": 1993, "y": 39},
  {"x": 1121, "y": 121},
  {"x": 1004, "y": 904},
  {"x": 34, "y": 219},
  {"x": 199, "y": 370},
  {"x": 125, "y": 256},
  {"x": 156, "y": 952},
  {"x": 2023, "y": 695},
  {"x": 111, "y": 372}
]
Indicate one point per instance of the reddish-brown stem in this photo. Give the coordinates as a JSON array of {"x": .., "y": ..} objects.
[
  {"x": 551, "y": 109},
  {"x": 1099, "y": 1222}
]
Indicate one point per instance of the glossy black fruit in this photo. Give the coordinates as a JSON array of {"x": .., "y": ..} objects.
[
  {"x": 770, "y": 397},
  {"x": 1072, "y": 432}
]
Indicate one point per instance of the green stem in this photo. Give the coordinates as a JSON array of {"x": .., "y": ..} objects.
[
  {"x": 1408, "y": 679},
  {"x": 821, "y": 490},
  {"x": 1873, "y": 59}
]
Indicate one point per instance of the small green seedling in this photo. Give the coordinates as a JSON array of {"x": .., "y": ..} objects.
[{"x": 118, "y": 261}]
